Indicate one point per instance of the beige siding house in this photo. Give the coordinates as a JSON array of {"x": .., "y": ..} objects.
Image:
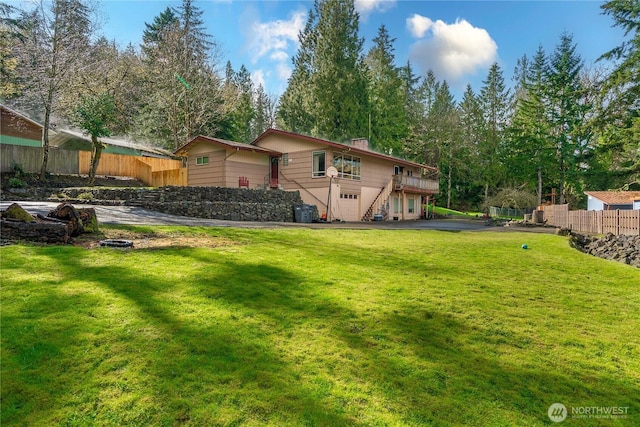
[
  {"x": 345, "y": 182},
  {"x": 220, "y": 163},
  {"x": 367, "y": 183}
]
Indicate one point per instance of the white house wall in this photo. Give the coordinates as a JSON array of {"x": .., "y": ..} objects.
[{"x": 594, "y": 204}]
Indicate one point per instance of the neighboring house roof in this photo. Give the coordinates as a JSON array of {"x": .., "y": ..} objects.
[
  {"x": 229, "y": 144},
  {"x": 73, "y": 140},
  {"x": 615, "y": 197},
  {"x": 20, "y": 115},
  {"x": 340, "y": 146}
]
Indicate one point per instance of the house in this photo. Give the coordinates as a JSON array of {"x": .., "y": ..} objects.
[
  {"x": 345, "y": 182},
  {"x": 18, "y": 129},
  {"x": 612, "y": 200},
  {"x": 76, "y": 141},
  {"x": 214, "y": 162}
]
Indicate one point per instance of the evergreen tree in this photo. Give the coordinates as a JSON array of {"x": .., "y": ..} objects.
[
  {"x": 244, "y": 112},
  {"x": 618, "y": 122},
  {"x": 327, "y": 91},
  {"x": 446, "y": 117},
  {"x": 567, "y": 114},
  {"x": 426, "y": 121},
  {"x": 388, "y": 117},
  {"x": 296, "y": 110},
  {"x": 414, "y": 113},
  {"x": 339, "y": 83},
  {"x": 472, "y": 131},
  {"x": 184, "y": 93},
  {"x": 11, "y": 35},
  {"x": 495, "y": 102},
  {"x": 530, "y": 154},
  {"x": 264, "y": 107}
]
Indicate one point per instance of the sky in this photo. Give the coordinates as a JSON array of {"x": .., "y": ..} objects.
[{"x": 458, "y": 40}]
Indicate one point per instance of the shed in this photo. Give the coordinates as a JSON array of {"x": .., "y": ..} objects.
[{"x": 612, "y": 200}]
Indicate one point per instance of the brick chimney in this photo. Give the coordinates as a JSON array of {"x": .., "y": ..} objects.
[{"x": 361, "y": 143}]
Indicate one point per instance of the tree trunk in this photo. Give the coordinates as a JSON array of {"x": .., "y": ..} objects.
[
  {"x": 449, "y": 188},
  {"x": 95, "y": 159},
  {"x": 539, "y": 185},
  {"x": 486, "y": 196},
  {"x": 45, "y": 142}
]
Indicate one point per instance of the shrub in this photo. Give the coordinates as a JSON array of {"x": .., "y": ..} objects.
[
  {"x": 85, "y": 196},
  {"x": 17, "y": 183}
]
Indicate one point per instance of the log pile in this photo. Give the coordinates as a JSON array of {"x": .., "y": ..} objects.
[{"x": 58, "y": 227}]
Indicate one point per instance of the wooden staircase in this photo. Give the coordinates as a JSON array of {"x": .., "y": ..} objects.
[{"x": 378, "y": 203}]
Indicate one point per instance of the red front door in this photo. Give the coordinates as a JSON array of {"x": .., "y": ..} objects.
[{"x": 273, "y": 182}]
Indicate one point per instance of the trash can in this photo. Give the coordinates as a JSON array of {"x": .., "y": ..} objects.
[{"x": 303, "y": 212}]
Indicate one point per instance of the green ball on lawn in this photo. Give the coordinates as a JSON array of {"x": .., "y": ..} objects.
[{"x": 525, "y": 246}]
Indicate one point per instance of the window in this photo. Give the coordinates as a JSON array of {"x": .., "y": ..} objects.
[
  {"x": 319, "y": 165},
  {"x": 285, "y": 159},
  {"x": 348, "y": 166},
  {"x": 203, "y": 160},
  {"x": 397, "y": 170},
  {"x": 412, "y": 208},
  {"x": 397, "y": 205}
]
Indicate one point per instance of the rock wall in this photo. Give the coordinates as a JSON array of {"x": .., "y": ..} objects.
[
  {"x": 619, "y": 248},
  {"x": 236, "y": 204}
]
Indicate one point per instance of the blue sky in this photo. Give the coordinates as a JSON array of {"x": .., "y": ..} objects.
[{"x": 459, "y": 40}]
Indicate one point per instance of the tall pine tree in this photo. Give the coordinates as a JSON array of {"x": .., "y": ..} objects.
[{"x": 388, "y": 118}]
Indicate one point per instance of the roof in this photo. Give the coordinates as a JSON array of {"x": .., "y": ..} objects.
[
  {"x": 79, "y": 141},
  {"x": 615, "y": 197},
  {"x": 21, "y": 115},
  {"x": 341, "y": 146},
  {"x": 229, "y": 144}
]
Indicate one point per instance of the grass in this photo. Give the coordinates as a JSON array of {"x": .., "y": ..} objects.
[
  {"x": 317, "y": 327},
  {"x": 439, "y": 210}
]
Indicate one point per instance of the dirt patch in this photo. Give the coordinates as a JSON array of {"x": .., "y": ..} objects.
[{"x": 156, "y": 240}]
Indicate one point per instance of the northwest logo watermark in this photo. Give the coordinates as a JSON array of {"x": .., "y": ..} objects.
[{"x": 557, "y": 412}]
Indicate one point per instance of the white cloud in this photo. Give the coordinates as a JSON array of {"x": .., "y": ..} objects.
[
  {"x": 257, "y": 77},
  {"x": 419, "y": 25},
  {"x": 366, "y": 7},
  {"x": 273, "y": 36},
  {"x": 453, "y": 50},
  {"x": 279, "y": 55}
]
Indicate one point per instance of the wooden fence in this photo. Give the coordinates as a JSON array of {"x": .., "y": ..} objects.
[
  {"x": 29, "y": 159},
  {"x": 154, "y": 172},
  {"x": 600, "y": 222}
]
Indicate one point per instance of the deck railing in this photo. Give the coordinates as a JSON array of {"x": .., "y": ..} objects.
[{"x": 414, "y": 183}]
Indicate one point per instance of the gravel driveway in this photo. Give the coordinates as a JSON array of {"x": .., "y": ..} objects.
[{"x": 131, "y": 215}]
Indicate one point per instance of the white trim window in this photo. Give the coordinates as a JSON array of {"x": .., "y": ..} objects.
[
  {"x": 348, "y": 166},
  {"x": 319, "y": 164},
  {"x": 202, "y": 160}
]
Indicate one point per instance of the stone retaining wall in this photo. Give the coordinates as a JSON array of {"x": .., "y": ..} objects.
[
  {"x": 613, "y": 247},
  {"x": 236, "y": 204}
]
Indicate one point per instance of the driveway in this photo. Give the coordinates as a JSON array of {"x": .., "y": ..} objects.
[{"x": 130, "y": 215}]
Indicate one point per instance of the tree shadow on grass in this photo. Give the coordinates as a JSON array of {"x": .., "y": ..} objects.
[
  {"x": 211, "y": 353},
  {"x": 429, "y": 365},
  {"x": 178, "y": 356}
]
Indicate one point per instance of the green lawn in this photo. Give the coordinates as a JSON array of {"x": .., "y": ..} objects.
[{"x": 318, "y": 327}]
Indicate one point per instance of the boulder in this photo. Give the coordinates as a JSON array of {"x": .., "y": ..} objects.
[{"x": 16, "y": 212}]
